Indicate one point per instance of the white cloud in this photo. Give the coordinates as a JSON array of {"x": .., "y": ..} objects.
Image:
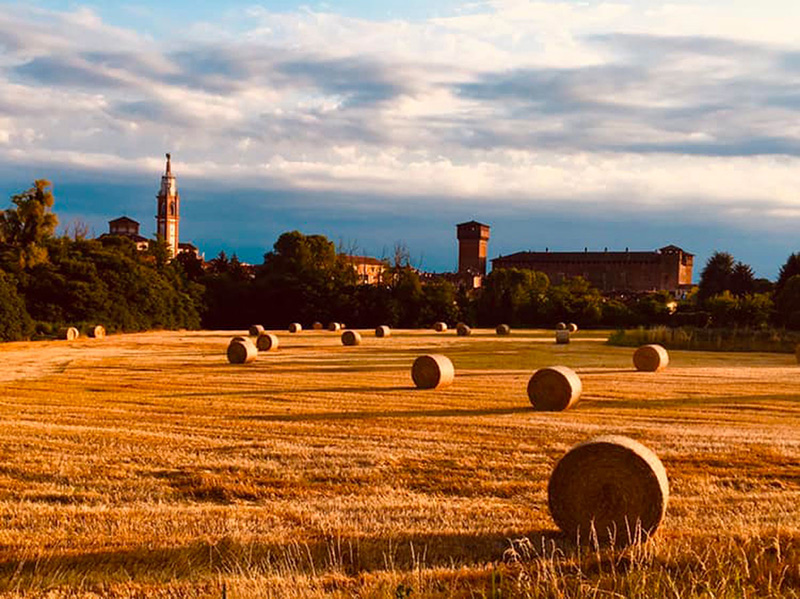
[{"x": 646, "y": 105}]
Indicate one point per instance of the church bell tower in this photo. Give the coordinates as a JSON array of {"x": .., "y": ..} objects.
[{"x": 168, "y": 217}]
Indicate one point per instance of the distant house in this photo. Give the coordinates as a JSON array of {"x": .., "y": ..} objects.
[
  {"x": 189, "y": 248},
  {"x": 369, "y": 270},
  {"x": 127, "y": 227}
]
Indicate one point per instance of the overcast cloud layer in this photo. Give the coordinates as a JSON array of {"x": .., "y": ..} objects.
[{"x": 647, "y": 108}]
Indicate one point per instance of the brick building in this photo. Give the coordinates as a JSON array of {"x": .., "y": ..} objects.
[
  {"x": 127, "y": 227},
  {"x": 473, "y": 244},
  {"x": 666, "y": 269},
  {"x": 369, "y": 271}
]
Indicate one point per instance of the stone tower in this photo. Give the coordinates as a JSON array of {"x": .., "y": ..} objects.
[
  {"x": 169, "y": 209},
  {"x": 473, "y": 240}
]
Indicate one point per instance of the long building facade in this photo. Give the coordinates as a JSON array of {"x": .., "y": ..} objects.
[{"x": 665, "y": 269}]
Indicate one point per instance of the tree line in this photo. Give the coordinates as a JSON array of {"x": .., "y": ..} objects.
[{"x": 49, "y": 281}]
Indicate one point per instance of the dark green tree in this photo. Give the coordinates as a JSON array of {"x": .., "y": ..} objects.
[
  {"x": 25, "y": 228},
  {"x": 790, "y": 268},
  {"x": 574, "y": 300},
  {"x": 743, "y": 280},
  {"x": 439, "y": 303},
  {"x": 787, "y": 302},
  {"x": 716, "y": 275},
  {"x": 407, "y": 295},
  {"x": 15, "y": 322},
  {"x": 513, "y": 296},
  {"x": 303, "y": 279}
]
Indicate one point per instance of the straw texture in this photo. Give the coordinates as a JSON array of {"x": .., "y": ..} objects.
[
  {"x": 554, "y": 389},
  {"x": 70, "y": 333},
  {"x": 267, "y": 342},
  {"x": 611, "y": 488},
  {"x": 432, "y": 371},
  {"x": 241, "y": 350},
  {"x": 650, "y": 358},
  {"x": 351, "y": 338}
]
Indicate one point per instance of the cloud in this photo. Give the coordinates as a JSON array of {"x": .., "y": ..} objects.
[{"x": 631, "y": 106}]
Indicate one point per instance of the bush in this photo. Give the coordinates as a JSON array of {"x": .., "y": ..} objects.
[
  {"x": 700, "y": 339},
  {"x": 15, "y": 322}
]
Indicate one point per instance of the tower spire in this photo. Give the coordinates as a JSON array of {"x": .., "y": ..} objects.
[{"x": 168, "y": 216}]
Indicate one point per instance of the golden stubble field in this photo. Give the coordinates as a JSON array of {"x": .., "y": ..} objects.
[{"x": 146, "y": 466}]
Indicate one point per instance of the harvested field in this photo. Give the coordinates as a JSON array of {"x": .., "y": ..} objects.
[{"x": 148, "y": 466}]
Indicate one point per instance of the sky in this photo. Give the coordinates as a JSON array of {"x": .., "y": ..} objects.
[{"x": 562, "y": 124}]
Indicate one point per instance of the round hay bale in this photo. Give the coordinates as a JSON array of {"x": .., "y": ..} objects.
[
  {"x": 463, "y": 330},
  {"x": 256, "y": 330},
  {"x": 650, "y": 358},
  {"x": 554, "y": 389},
  {"x": 267, "y": 342},
  {"x": 432, "y": 371},
  {"x": 351, "y": 338},
  {"x": 241, "y": 350},
  {"x": 317, "y": 326},
  {"x": 440, "y": 327},
  {"x": 335, "y": 327},
  {"x": 572, "y": 327},
  {"x": 383, "y": 331},
  {"x": 98, "y": 332},
  {"x": 561, "y": 326},
  {"x": 69, "y": 333},
  {"x": 611, "y": 488},
  {"x": 562, "y": 337},
  {"x": 503, "y": 329},
  {"x": 295, "y": 327}
]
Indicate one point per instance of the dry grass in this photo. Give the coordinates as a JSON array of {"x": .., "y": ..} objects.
[{"x": 147, "y": 466}]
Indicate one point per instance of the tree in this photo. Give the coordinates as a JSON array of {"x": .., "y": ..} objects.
[
  {"x": 754, "y": 309},
  {"x": 15, "y": 322},
  {"x": 574, "y": 299},
  {"x": 742, "y": 280},
  {"x": 723, "y": 308},
  {"x": 303, "y": 279},
  {"x": 192, "y": 266},
  {"x": 716, "y": 275},
  {"x": 787, "y": 302},
  {"x": 654, "y": 308},
  {"x": 25, "y": 228},
  {"x": 788, "y": 270},
  {"x": 407, "y": 295},
  {"x": 440, "y": 302},
  {"x": 513, "y": 296}
]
